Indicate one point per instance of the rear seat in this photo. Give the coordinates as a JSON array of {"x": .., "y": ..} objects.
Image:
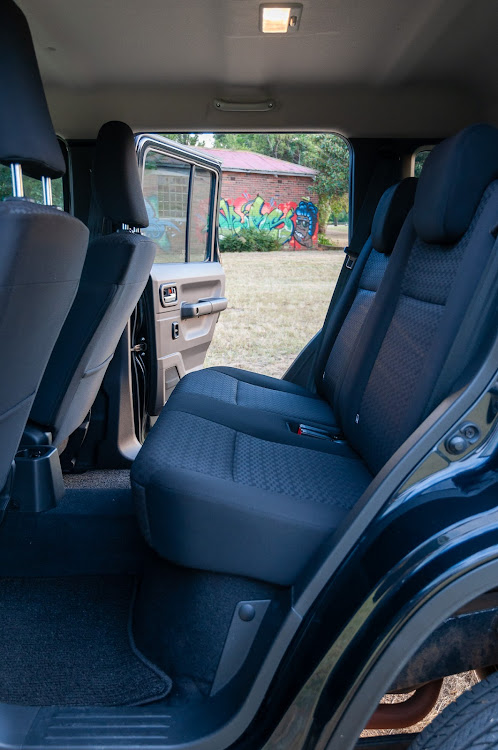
[
  {"x": 248, "y": 389},
  {"x": 232, "y": 489}
]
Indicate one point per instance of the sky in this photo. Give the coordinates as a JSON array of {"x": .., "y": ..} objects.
[{"x": 207, "y": 140}]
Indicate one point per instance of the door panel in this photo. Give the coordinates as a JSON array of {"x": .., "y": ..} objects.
[
  {"x": 185, "y": 295},
  {"x": 181, "y": 343}
]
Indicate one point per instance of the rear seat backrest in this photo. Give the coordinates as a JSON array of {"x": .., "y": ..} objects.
[
  {"x": 444, "y": 249},
  {"x": 391, "y": 212}
]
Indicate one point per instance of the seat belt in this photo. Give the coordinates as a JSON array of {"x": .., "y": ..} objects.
[
  {"x": 383, "y": 176},
  {"x": 381, "y": 179}
]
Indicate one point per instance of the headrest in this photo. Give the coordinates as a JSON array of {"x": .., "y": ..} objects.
[
  {"x": 116, "y": 181},
  {"x": 452, "y": 183},
  {"x": 27, "y": 136},
  {"x": 390, "y": 215}
]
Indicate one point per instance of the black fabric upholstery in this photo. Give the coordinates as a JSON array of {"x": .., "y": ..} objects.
[
  {"x": 40, "y": 265},
  {"x": 116, "y": 181},
  {"x": 26, "y": 133},
  {"x": 452, "y": 183},
  {"x": 344, "y": 325},
  {"x": 226, "y": 486},
  {"x": 255, "y": 422},
  {"x": 114, "y": 276},
  {"x": 347, "y": 336},
  {"x": 390, "y": 215},
  {"x": 437, "y": 285},
  {"x": 217, "y": 498},
  {"x": 42, "y": 248},
  {"x": 229, "y": 385}
]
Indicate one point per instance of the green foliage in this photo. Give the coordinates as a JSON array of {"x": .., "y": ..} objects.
[
  {"x": 339, "y": 209},
  {"x": 32, "y": 188},
  {"x": 186, "y": 139},
  {"x": 328, "y": 153},
  {"x": 291, "y": 147},
  {"x": 249, "y": 241},
  {"x": 324, "y": 240},
  {"x": 420, "y": 161}
]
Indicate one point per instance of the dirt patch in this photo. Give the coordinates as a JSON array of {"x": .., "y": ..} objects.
[{"x": 452, "y": 688}]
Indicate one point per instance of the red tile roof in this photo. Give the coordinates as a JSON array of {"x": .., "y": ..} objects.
[{"x": 248, "y": 161}]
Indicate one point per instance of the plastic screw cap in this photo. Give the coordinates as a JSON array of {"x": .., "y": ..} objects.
[
  {"x": 247, "y": 612},
  {"x": 457, "y": 444}
]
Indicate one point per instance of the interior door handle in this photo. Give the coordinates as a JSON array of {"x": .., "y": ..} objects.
[
  {"x": 167, "y": 294},
  {"x": 203, "y": 307}
]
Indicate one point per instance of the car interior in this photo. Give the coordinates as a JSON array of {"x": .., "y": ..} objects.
[{"x": 160, "y": 520}]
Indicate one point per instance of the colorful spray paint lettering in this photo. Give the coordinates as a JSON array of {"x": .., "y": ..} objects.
[{"x": 292, "y": 223}]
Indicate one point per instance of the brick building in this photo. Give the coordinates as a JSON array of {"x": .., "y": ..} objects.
[{"x": 266, "y": 193}]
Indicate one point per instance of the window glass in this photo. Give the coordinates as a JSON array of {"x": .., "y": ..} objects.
[
  {"x": 202, "y": 192},
  {"x": 166, "y": 187},
  {"x": 419, "y": 161},
  {"x": 32, "y": 188}
]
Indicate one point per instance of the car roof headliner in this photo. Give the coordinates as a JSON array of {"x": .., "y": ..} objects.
[{"x": 377, "y": 68}]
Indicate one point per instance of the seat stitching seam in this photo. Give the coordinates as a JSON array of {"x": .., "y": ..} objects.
[
  {"x": 233, "y": 456},
  {"x": 12, "y": 409},
  {"x": 423, "y": 301}
]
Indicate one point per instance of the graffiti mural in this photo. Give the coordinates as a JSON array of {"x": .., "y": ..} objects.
[
  {"x": 292, "y": 223},
  {"x": 306, "y": 223}
]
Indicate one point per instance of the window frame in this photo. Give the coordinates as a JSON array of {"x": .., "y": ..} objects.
[
  {"x": 151, "y": 142},
  {"x": 419, "y": 150}
]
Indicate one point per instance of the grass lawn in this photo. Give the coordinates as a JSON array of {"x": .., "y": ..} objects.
[
  {"x": 276, "y": 302},
  {"x": 338, "y": 235}
]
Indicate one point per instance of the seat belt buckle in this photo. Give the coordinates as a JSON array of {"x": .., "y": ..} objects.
[
  {"x": 318, "y": 432},
  {"x": 350, "y": 259}
]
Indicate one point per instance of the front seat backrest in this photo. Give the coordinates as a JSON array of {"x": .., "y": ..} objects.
[
  {"x": 114, "y": 276},
  {"x": 42, "y": 249}
]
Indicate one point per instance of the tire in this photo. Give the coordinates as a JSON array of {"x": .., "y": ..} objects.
[{"x": 470, "y": 723}]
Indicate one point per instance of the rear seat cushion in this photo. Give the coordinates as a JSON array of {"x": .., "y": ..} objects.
[
  {"x": 218, "y": 498},
  {"x": 249, "y": 389}
]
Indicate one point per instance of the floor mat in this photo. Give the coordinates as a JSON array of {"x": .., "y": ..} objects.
[
  {"x": 99, "y": 479},
  {"x": 67, "y": 642}
]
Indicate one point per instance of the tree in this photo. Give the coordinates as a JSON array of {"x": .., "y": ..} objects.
[
  {"x": 291, "y": 147},
  {"x": 331, "y": 160},
  {"x": 328, "y": 153},
  {"x": 32, "y": 188},
  {"x": 420, "y": 161},
  {"x": 186, "y": 139}
]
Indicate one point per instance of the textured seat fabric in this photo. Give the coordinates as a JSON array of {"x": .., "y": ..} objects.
[
  {"x": 248, "y": 389},
  {"x": 114, "y": 276},
  {"x": 42, "y": 248},
  {"x": 202, "y": 487},
  {"x": 243, "y": 388},
  {"x": 231, "y": 488}
]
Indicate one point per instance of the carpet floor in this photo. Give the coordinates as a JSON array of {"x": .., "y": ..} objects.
[{"x": 68, "y": 642}]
